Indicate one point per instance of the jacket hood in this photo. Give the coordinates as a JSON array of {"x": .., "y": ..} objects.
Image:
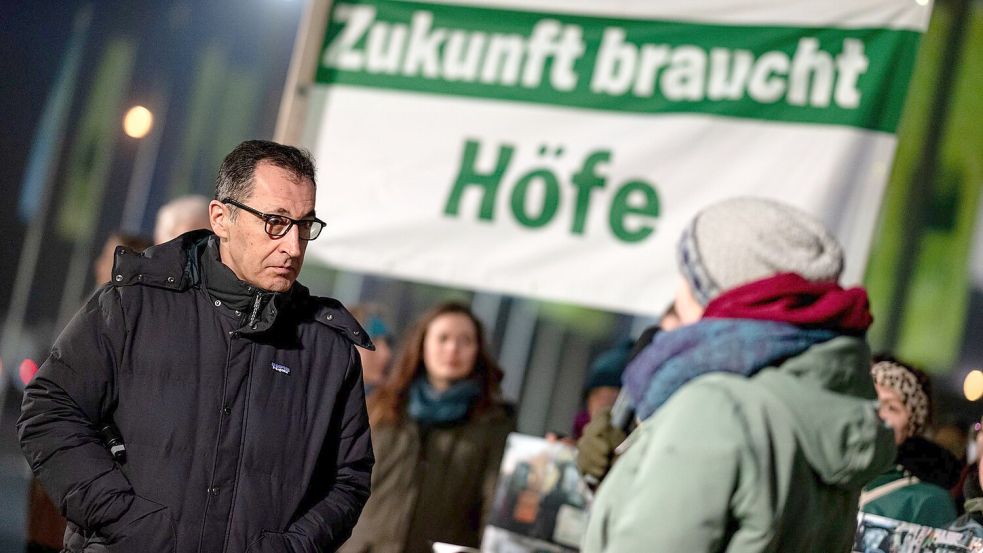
[
  {"x": 191, "y": 260},
  {"x": 832, "y": 406}
]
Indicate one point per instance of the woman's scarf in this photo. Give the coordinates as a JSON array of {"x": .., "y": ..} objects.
[
  {"x": 738, "y": 346},
  {"x": 427, "y": 406},
  {"x": 744, "y": 330},
  {"x": 789, "y": 298}
]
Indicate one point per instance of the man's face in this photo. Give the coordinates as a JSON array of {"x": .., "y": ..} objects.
[{"x": 268, "y": 263}]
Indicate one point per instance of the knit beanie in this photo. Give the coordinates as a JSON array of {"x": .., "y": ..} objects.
[
  {"x": 741, "y": 240},
  {"x": 607, "y": 367},
  {"x": 376, "y": 327},
  {"x": 912, "y": 385}
]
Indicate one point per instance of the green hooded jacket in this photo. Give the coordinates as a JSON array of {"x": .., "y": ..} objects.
[
  {"x": 917, "y": 502},
  {"x": 774, "y": 462}
]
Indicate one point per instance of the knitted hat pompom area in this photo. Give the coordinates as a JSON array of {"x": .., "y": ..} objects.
[{"x": 740, "y": 240}]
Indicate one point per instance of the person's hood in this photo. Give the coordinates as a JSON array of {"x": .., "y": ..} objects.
[{"x": 832, "y": 405}]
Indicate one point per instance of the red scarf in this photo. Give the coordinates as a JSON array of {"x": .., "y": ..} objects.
[{"x": 789, "y": 298}]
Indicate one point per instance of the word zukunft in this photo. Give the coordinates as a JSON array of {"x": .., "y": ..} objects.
[{"x": 554, "y": 52}]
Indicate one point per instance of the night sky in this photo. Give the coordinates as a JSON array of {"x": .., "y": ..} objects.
[{"x": 220, "y": 65}]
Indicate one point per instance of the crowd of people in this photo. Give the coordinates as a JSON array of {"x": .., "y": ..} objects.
[{"x": 203, "y": 400}]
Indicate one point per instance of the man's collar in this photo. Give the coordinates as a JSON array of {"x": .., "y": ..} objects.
[
  {"x": 192, "y": 260},
  {"x": 257, "y": 308}
]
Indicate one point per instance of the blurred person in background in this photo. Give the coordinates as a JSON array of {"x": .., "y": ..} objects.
[
  {"x": 603, "y": 384},
  {"x": 102, "y": 267},
  {"x": 971, "y": 521},
  {"x": 439, "y": 426},
  {"x": 375, "y": 363},
  {"x": 758, "y": 428},
  {"x": 974, "y": 445},
  {"x": 916, "y": 488},
  {"x": 597, "y": 439},
  {"x": 181, "y": 215},
  {"x": 136, "y": 425}
]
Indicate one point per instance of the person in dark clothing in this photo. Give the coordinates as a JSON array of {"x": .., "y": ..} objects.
[
  {"x": 971, "y": 522},
  {"x": 598, "y": 439},
  {"x": 231, "y": 397},
  {"x": 930, "y": 462},
  {"x": 603, "y": 384},
  {"x": 45, "y": 525}
]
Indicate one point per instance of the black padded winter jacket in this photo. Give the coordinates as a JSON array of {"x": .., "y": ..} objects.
[{"x": 241, "y": 411}]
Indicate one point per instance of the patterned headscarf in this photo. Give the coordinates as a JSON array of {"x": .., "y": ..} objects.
[{"x": 912, "y": 385}]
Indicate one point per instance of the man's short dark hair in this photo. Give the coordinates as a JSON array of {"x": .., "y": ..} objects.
[{"x": 235, "y": 176}]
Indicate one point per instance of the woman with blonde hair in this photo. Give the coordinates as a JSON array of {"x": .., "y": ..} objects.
[{"x": 439, "y": 426}]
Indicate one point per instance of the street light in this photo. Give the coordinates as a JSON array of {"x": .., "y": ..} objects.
[
  {"x": 973, "y": 385},
  {"x": 138, "y": 121}
]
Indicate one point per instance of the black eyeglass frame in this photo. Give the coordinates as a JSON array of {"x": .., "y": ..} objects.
[{"x": 269, "y": 217}]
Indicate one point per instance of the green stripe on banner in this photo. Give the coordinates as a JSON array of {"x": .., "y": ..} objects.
[{"x": 852, "y": 77}]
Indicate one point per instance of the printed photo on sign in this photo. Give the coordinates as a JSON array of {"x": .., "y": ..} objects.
[
  {"x": 540, "y": 502},
  {"x": 877, "y": 534}
]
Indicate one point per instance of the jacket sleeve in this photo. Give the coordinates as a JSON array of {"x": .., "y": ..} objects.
[
  {"x": 329, "y": 520},
  {"x": 675, "y": 487},
  {"x": 72, "y": 392},
  {"x": 493, "y": 462}
]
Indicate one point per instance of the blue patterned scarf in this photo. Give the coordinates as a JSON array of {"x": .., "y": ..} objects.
[
  {"x": 428, "y": 406},
  {"x": 738, "y": 346}
]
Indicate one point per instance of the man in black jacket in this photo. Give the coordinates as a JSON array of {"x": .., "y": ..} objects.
[{"x": 236, "y": 394}]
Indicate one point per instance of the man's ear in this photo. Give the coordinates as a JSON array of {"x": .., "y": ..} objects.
[{"x": 218, "y": 216}]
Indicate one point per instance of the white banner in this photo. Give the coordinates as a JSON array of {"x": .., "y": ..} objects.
[{"x": 558, "y": 154}]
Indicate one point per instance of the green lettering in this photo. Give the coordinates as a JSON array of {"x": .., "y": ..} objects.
[
  {"x": 622, "y": 208},
  {"x": 468, "y": 175},
  {"x": 584, "y": 181},
  {"x": 551, "y": 198}
]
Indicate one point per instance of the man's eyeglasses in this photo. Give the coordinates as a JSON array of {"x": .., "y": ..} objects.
[{"x": 277, "y": 226}]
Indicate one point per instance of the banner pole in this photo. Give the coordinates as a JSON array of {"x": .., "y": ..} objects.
[{"x": 300, "y": 74}]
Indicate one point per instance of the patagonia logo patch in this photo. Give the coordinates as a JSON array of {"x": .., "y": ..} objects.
[{"x": 281, "y": 368}]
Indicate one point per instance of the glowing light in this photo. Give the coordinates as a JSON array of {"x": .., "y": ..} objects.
[
  {"x": 973, "y": 385},
  {"x": 28, "y": 368},
  {"x": 922, "y": 2},
  {"x": 138, "y": 122}
]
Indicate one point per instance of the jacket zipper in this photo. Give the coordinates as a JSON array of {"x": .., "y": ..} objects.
[{"x": 252, "y": 317}]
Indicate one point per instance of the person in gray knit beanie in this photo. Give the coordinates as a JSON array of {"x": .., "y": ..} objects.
[
  {"x": 755, "y": 414},
  {"x": 741, "y": 240}
]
